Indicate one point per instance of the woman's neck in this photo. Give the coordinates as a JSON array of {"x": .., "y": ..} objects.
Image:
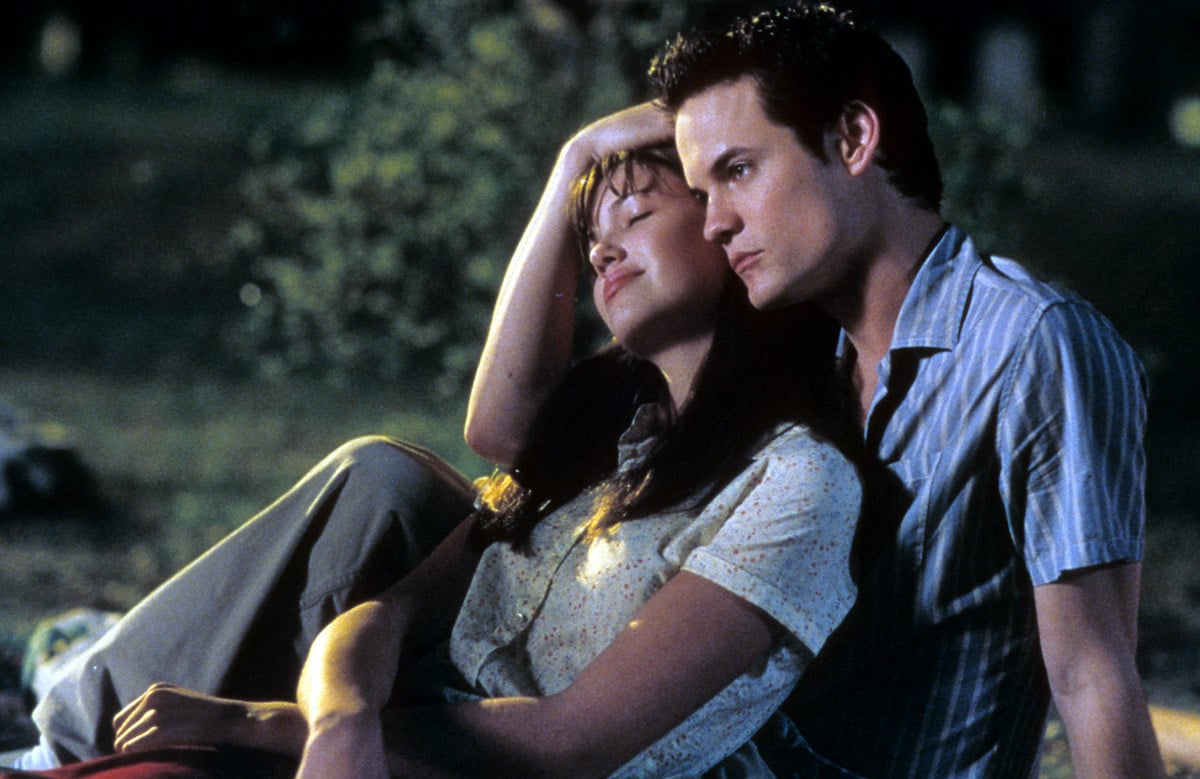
[{"x": 679, "y": 364}]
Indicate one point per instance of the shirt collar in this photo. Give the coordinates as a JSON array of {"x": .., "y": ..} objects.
[
  {"x": 933, "y": 311},
  {"x": 650, "y": 422}
]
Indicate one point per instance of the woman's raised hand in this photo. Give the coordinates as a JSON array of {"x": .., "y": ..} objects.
[
  {"x": 644, "y": 124},
  {"x": 528, "y": 347}
]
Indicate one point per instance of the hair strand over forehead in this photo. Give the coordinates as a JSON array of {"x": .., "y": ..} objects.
[{"x": 616, "y": 173}]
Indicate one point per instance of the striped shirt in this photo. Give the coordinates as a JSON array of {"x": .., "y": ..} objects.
[{"x": 1013, "y": 414}]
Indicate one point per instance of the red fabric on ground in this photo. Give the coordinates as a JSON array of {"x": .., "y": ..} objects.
[{"x": 172, "y": 763}]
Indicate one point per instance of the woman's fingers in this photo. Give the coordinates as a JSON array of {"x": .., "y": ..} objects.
[
  {"x": 644, "y": 124},
  {"x": 166, "y": 714},
  {"x": 138, "y": 732}
]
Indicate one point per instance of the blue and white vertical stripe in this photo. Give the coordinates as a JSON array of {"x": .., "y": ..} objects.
[{"x": 1013, "y": 414}]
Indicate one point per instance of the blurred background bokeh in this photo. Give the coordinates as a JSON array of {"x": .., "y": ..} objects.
[{"x": 235, "y": 233}]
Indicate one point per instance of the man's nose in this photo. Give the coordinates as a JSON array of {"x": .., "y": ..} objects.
[{"x": 721, "y": 222}]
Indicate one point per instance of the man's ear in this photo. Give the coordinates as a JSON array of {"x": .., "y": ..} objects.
[{"x": 857, "y": 138}]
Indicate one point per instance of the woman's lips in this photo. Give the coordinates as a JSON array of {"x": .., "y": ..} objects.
[{"x": 618, "y": 281}]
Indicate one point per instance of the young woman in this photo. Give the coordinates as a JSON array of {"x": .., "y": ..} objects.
[{"x": 669, "y": 549}]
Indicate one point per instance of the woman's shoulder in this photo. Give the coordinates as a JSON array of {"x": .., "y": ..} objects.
[
  {"x": 795, "y": 449},
  {"x": 796, "y": 439}
]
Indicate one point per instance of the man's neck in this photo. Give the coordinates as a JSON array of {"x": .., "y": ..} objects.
[
  {"x": 871, "y": 310},
  {"x": 872, "y": 307}
]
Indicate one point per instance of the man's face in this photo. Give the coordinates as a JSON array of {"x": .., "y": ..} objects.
[{"x": 776, "y": 209}]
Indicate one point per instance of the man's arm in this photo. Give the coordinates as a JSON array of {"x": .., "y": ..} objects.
[
  {"x": 1087, "y": 623},
  {"x": 528, "y": 346},
  {"x": 687, "y": 643}
]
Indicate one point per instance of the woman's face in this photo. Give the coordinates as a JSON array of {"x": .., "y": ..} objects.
[{"x": 658, "y": 282}]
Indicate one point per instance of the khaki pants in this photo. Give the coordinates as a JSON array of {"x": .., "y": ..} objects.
[{"x": 238, "y": 621}]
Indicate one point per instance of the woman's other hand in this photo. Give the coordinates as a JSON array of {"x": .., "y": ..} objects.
[
  {"x": 529, "y": 342},
  {"x": 168, "y": 715}
]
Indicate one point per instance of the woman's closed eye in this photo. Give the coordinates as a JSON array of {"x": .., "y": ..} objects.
[{"x": 638, "y": 217}]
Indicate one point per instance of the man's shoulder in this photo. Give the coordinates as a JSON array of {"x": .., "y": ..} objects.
[
  {"x": 1035, "y": 328},
  {"x": 961, "y": 295},
  {"x": 1017, "y": 285},
  {"x": 1005, "y": 290}
]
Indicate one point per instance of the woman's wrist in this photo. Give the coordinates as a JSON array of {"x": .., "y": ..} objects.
[{"x": 272, "y": 727}]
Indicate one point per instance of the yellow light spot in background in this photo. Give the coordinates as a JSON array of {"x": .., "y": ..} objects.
[
  {"x": 250, "y": 294},
  {"x": 1185, "y": 121},
  {"x": 60, "y": 46}
]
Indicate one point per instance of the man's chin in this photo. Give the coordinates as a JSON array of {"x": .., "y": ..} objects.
[{"x": 765, "y": 298}]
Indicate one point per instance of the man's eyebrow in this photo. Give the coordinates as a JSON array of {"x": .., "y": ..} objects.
[{"x": 719, "y": 165}]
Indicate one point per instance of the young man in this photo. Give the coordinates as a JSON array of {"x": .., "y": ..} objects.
[{"x": 1011, "y": 411}]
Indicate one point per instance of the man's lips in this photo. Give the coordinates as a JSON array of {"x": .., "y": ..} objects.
[
  {"x": 616, "y": 282},
  {"x": 741, "y": 261}
]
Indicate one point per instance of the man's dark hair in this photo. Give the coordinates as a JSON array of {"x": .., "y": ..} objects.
[{"x": 810, "y": 61}]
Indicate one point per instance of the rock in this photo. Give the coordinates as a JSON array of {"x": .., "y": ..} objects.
[{"x": 38, "y": 477}]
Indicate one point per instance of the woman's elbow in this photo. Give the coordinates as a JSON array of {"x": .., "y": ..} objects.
[{"x": 491, "y": 442}]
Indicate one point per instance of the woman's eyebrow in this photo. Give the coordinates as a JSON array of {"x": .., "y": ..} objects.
[{"x": 621, "y": 199}]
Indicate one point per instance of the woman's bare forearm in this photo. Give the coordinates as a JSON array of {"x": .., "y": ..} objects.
[
  {"x": 528, "y": 345},
  {"x": 167, "y": 715}
]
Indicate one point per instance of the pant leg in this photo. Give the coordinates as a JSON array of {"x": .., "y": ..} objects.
[{"x": 239, "y": 619}]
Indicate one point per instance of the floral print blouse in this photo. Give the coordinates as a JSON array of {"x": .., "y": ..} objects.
[{"x": 778, "y": 535}]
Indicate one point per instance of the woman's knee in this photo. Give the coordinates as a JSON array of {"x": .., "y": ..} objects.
[{"x": 390, "y": 464}]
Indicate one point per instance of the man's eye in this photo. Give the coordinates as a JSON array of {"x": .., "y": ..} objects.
[
  {"x": 700, "y": 197},
  {"x": 739, "y": 169}
]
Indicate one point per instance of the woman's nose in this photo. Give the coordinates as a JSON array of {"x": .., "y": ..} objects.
[{"x": 603, "y": 254}]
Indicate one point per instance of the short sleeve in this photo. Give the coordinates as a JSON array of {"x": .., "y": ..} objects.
[
  {"x": 1071, "y": 444},
  {"x": 785, "y": 546}
]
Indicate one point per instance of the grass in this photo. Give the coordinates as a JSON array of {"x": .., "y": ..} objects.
[{"x": 182, "y": 464}]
